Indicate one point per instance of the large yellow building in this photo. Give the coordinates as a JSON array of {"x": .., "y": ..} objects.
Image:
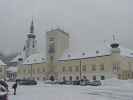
[
  {"x": 59, "y": 63},
  {"x": 3, "y": 67}
]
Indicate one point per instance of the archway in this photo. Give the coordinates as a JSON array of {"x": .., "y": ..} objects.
[{"x": 52, "y": 78}]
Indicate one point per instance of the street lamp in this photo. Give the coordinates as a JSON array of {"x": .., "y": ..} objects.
[{"x": 80, "y": 73}]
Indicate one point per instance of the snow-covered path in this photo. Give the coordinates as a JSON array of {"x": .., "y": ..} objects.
[{"x": 114, "y": 90}]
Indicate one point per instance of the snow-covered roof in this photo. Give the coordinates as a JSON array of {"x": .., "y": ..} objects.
[
  {"x": 35, "y": 58},
  {"x": 12, "y": 69},
  {"x": 102, "y": 51},
  {"x": 2, "y": 63},
  {"x": 21, "y": 55}
]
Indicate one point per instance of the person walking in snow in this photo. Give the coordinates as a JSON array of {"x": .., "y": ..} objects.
[{"x": 15, "y": 87}]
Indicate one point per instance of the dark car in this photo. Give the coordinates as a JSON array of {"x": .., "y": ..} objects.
[
  {"x": 84, "y": 82},
  {"x": 68, "y": 82},
  {"x": 61, "y": 82},
  {"x": 3, "y": 83},
  {"x": 95, "y": 83},
  {"x": 3, "y": 93},
  {"x": 77, "y": 82},
  {"x": 27, "y": 82}
]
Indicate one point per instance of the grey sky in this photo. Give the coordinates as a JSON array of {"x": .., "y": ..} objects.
[{"x": 87, "y": 21}]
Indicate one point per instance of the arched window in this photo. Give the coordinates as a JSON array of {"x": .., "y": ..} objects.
[
  {"x": 70, "y": 78},
  {"x": 64, "y": 78},
  {"x": 94, "y": 77},
  {"x": 52, "y": 78},
  {"x": 38, "y": 78},
  {"x": 77, "y": 77}
]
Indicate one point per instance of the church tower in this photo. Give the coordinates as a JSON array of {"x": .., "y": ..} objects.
[
  {"x": 31, "y": 42},
  {"x": 115, "y": 46},
  {"x": 57, "y": 43}
]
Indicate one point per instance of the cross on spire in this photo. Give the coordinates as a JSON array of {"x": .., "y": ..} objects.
[{"x": 32, "y": 27}]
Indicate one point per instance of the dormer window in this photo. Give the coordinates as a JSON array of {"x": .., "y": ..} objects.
[
  {"x": 97, "y": 52},
  {"x": 83, "y": 54},
  {"x": 43, "y": 59},
  {"x": 131, "y": 53},
  {"x": 69, "y": 55}
]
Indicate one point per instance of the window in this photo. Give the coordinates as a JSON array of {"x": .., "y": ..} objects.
[
  {"x": 33, "y": 45},
  {"x": 70, "y": 78},
  {"x": 38, "y": 70},
  {"x": 102, "y": 77},
  {"x": 77, "y": 77},
  {"x": 70, "y": 68},
  {"x": 102, "y": 67},
  {"x": 51, "y": 39},
  {"x": 29, "y": 71},
  {"x": 24, "y": 71},
  {"x": 33, "y": 71},
  {"x": 0, "y": 69},
  {"x": 64, "y": 69},
  {"x": 94, "y": 77},
  {"x": 51, "y": 58},
  {"x": 93, "y": 67},
  {"x": 43, "y": 69},
  {"x": 77, "y": 68},
  {"x": 64, "y": 78},
  {"x": 84, "y": 68},
  {"x": 119, "y": 76},
  {"x": 52, "y": 48},
  {"x": 38, "y": 78},
  {"x": 116, "y": 67}
]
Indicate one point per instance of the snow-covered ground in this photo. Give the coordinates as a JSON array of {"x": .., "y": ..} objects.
[{"x": 110, "y": 90}]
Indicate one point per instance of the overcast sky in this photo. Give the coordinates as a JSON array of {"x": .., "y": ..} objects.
[{"x": 89, "y": 22}]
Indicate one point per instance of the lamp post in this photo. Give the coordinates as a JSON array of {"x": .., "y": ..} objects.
[
  {"x": 80, "y": 72},
  {"x": 31, "y": 71}
]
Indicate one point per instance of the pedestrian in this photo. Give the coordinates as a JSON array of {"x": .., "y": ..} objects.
[{"x": 15, "y": 87}]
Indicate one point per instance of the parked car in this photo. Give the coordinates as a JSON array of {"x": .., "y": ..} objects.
[
  {"x": 3, "y": 83},
  {"x": 77, "y": 82},
  {"x": 50, "y": 82},
  {"x": 27, "y": 82},
  {"x": 95, "y": 83},
  {"x": 84, "y": 82},
  {"x": 68, "y": 82},
  {"x": 3, "y": 93},
  {"x": 61, "y": 82}
]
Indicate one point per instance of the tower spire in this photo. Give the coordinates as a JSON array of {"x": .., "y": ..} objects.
[
  {"x": 113, "y": 37},
  {"x": 32, "y": 27}
]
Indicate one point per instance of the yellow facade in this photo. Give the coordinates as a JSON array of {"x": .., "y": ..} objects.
[
  {"x": 99, "y": 66},
  {"x": 3, "y": 71},
  {"x": 32, "y": 71}
]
